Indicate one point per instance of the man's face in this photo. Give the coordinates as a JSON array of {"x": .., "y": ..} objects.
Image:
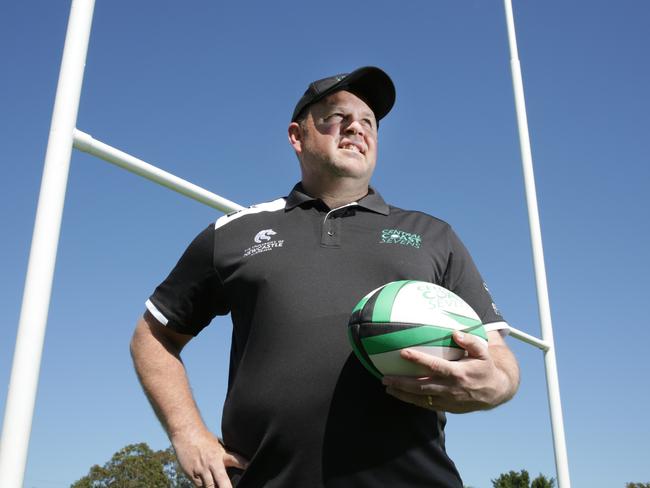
[{"x": 338, "y": 138}]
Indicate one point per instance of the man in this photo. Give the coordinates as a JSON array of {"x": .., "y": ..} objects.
[{"x": 301, "y": 411}]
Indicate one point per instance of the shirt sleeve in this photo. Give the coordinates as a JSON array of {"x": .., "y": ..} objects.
[
  {"x": 463, "y": 278},
  {"x": 193, "y": 293}
]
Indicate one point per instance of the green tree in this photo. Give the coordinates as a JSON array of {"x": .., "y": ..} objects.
[
  {"x": 542, "y": 482},
  {"x": 637, "y": 485},
  {"x": 521, "y": 479},
  {"x": 512, "y": 479},
  {"x": 136, "y": 466}
]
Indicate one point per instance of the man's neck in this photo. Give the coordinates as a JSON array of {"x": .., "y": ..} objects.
[{"x": 335, "y": 196}]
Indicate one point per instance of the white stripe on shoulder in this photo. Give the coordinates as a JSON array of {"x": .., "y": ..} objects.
[{"x": 273, "y": 206}]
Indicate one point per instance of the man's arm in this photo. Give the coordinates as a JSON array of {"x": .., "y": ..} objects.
[
  {"x": 155, "y": 350},
  {"x": 486, "y": 378}
]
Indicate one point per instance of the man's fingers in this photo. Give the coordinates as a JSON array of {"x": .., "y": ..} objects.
[
  {"x": 204, "y": 480},
  {"x": 214, "y": 477},
  {"x": 425, "y": 401},
  {"x": 234, "y": 460},
  {"x": 438, "y": 367},
  {"x": 475, "y": 346},
  {"x": 228, "y": 460},
  {"x": 220, "y": 476},
  {"x": 417, "y": 386}
]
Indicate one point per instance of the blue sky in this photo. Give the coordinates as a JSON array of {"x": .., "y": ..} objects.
[{"x": 205, "y": 90}]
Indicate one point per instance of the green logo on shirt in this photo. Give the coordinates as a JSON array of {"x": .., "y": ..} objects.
[{"x": 396, "y": 236}]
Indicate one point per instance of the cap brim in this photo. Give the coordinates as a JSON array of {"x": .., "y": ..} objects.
[
  {"x": 372, "y": 85},
  {"x": 369, "y": 83}
]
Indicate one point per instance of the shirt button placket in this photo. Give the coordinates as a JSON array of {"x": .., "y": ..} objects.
[{"x": 330, "y": 231}]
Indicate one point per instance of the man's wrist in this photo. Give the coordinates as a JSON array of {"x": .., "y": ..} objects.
[
  {"x": 507, "y": 385},
  {"x": 186, "y": 432}
]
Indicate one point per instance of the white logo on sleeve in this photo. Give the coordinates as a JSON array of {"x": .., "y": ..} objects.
[{"x": 264, "y": 235}]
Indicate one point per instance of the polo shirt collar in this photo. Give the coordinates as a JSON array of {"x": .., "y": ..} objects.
[{"x": 372, "y": 201}]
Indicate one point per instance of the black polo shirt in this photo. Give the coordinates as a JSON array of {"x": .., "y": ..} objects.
[{"x": 299, "y": 405}]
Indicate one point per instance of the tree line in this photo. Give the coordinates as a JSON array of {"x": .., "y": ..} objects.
[{"x": 139, "y": 466}]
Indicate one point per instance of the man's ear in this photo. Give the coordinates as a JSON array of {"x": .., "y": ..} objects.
[{"x": 295, "y": 136}]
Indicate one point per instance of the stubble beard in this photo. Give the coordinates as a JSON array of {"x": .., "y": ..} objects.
[{"x": 343, "y": 166}]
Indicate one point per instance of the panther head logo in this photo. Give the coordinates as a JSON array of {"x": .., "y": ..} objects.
[{"x": 264, "y": 235}]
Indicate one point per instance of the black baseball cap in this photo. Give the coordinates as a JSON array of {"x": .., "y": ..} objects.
[{"x": 369, "y": 83}]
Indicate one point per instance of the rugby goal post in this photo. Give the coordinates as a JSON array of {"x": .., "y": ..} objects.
[{"x": 64, "y": 135}]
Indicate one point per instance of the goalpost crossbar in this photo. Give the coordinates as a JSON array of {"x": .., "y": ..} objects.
[{"x": 86, "y": 143}]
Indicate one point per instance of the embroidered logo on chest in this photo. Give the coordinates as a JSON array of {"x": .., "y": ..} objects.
[
  {"x": 265, "y": 242},
  {"x": 396, "y": 236},
  {"x": 264, "y": 235}
]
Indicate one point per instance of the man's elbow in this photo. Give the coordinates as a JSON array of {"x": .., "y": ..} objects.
[
  {"x": 137, "y": 341},
  {"x": 510, "y": 368},
  {"x": 138, "y": 330},
  {"x": 150, "y": 336}
]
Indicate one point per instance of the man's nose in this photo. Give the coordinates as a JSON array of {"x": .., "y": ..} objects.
[{"x": 354, "y": 127}]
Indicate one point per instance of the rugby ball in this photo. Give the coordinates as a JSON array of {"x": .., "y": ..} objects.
[{"x": 409, "y": 314}]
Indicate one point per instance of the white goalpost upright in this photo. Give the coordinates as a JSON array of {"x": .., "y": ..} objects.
[
  {"x": 544, "y": 307},
  {"x": 23, "y": 382},
  {"x": 64, "y": 135}
]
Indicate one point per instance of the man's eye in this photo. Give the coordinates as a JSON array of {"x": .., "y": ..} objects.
[{"x": 335, "y": 117}]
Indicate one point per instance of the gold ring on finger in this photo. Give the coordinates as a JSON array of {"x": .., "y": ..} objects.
[{"x": 430, "y": 401}]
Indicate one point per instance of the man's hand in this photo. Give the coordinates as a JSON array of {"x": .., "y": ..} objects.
[
  {"x": 204, "y": 459},
  {"x": 156, "y": 356},
  {"x": 487, "y": 377}
]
